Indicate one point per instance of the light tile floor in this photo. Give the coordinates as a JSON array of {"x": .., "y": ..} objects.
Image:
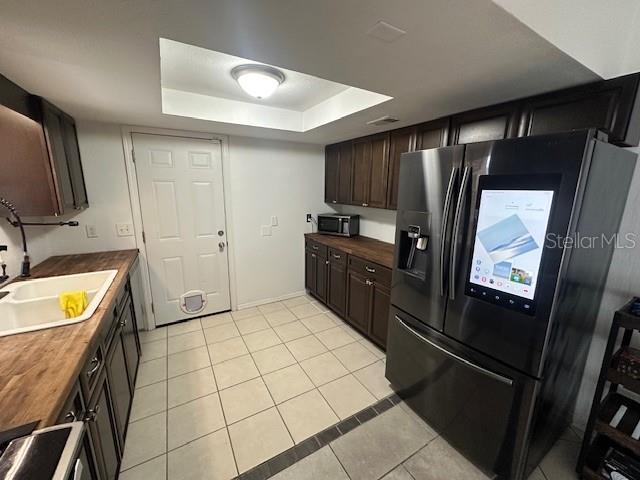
[
  {"x": 219, "y": 395},
  {"x": 397, "y": 445}
]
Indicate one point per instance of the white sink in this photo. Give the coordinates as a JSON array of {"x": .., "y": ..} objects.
[{"x": 33, "y": 304}]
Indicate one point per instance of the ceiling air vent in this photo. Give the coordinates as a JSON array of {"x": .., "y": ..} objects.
[{"x": 382, "y": 120}]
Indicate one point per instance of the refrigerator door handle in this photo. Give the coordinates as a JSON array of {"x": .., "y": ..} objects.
[
  {"x": 458, "y": 358},
  {"x": 445, "y": 224},
  {"x": 456, "y": 231}
]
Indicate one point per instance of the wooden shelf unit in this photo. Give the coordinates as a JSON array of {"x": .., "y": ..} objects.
[{"x": 599, "y": 435}]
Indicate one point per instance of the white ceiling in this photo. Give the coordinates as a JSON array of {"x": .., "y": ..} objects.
[
  {"x": 197, "y": 83},
  {"x": 199, "y": 70},
  {"x": 99, "y": 59},
  {"x": 601, "y": 34}
]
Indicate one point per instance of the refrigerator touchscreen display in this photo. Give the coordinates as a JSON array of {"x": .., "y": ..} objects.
[{"x": 510, "y": 236}]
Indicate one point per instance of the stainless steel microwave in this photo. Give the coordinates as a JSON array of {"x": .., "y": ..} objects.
[{"x": 336, "y": 224}]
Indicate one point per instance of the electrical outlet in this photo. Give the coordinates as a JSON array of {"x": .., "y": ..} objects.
[
  {"x": 91, "y": 230},
  {"x": 124, "y": 229},
  {"x": 265, "y": 230},
  {"x": 308, "y": 218},
  {"x": 274, "y": 221}
]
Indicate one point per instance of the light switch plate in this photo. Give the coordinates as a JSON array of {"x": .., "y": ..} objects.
[
  {"x": 274, "y": 221},
  {"x": 124, "y": 229},
  {"x": 265, "y": 230},
  {"x": 91, "y": 230}
]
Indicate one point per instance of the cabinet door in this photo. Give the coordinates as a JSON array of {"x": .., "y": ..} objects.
[
  {"x": 331, "y": 172},
  {"x": 491, "y": 123},
  {"x": 358, "y": 300},
  {"x": 130, "y": 342},
  {"x": 310, "y": 271},
  {"x": 380, "y": 314},
  {"x": 604, "y": 105},
  {"x": 52, "y": 122},
  {"x": 361, "y": 172},
  {"x": 345, "y": 172},
  {"x": 322, "y": 265},
  {"x": 102, "y": 429},
  {"x": 119, "y": 383},
  {"x": 379, "y": 175},
  {"x": 400, "y": 141},
  {"x": 337, "y": 286},
  {"x": 432, "y": 134},
  {"x": 72, "y": 150}
]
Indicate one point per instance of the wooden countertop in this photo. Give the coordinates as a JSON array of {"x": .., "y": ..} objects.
[
  {"x": 38, "y": 369},
  {"x": 364, "y": 247}
]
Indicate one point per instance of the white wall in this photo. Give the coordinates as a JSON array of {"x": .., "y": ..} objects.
[
  {"x": 106, "y": 180},
  {"x": 265, "y": 178},
  {"x": 374, "y": 222},
  {"x": 623, "y": 283},
  {"x": 272, "y": 178},
  {"x": 38, "y": 244}
]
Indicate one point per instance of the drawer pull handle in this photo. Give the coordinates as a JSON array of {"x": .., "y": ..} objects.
[
  {"x": 326, "y": 262},
  {"x": 92, "y": 414},
  {"x": 123, "y": 323},
  {"x": 313, "y": 255},
  {"x": 369, "y": 269},
  {"x": 337, "y": 257},
  {"x": 95, "y": 361},
  {"x": 70, "y": 416},
  {"x": 368, "y": 282},
  {"x": 315, "y": 247},
  {"x": 365, "y": 204}
]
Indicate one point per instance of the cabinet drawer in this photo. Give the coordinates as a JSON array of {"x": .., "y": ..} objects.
[
  {"x": 337, "y": 256},
  {"x": 317, "y": 248},
  {"x": 91, "y": 371},
  {"x": 371, "y": 270}
]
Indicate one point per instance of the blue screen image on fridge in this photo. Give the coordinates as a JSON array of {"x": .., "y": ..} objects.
[{"x": 506, "y": 239}]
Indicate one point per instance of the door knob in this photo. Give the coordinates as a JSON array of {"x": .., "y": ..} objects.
[{"x": 221, "y": 245}]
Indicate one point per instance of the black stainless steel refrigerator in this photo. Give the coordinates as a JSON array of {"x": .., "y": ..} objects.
[{"x": 495, "y": 290}]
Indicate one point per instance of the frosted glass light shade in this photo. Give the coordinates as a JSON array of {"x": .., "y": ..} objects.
[{"x": 259, "y": 81}]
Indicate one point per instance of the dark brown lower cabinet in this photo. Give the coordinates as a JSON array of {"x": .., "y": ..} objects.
[
  {"x": 119, "y": 382},
  {"x": 316, "y": 265},
  {"x": 357, "y": 290},
  {"x": 103, "y": 429},
  {"x": 337, "y": 282},
  {"x": 108, "y": 381},
  {"x": 130, "y": 342},
  {"x": 358, "y": 300},
  {"x": 380, "y": 304}
]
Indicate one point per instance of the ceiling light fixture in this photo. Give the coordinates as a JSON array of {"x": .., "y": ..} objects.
[{"x": 259, "y": 81}]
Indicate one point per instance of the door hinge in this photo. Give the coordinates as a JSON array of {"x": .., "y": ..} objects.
[
  {"x": 144, "y": 237},
  {"x": 133, "y": 155},
  {"x": 153, "y": 310}
]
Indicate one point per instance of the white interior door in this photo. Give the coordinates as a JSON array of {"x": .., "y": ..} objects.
[{"x": 182, "y": 200}]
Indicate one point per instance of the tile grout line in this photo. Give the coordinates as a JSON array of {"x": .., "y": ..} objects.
[{"x": 224, "y": 417}]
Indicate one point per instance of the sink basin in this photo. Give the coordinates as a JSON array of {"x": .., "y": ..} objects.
[{"x": 33, "y": 304}]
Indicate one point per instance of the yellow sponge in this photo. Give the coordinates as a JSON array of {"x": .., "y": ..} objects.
[{"x": 73, "y": 303}]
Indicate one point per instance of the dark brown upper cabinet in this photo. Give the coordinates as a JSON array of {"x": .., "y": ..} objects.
[
  {"x": 608, "y": 106},
  {"x": 331, "y": 169},
  {"x": 370, "y": 171},
  {"x": 493, "y": 123},
  {"x": 345, "y": 172},
  {"x": 62, "y": 142},
  {"x": 369, "y": 175},
  {"x": 337, "y": 173},
  {"x": 40, "y": 168},
  {"x": 400, "y": 141}
]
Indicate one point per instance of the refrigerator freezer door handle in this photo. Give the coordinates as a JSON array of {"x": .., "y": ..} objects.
[
  {"x": 469, "y": 364},
  {"x": 456, "y": 231},
  {"x": 445, "y": 223}
]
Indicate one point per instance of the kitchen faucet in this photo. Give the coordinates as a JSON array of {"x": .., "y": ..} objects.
[{"x": 26, "y": 262}]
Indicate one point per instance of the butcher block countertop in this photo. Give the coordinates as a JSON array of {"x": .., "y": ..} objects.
[
  {"x": 364, "y": 247},
  {"x": 38, "y": 369}
]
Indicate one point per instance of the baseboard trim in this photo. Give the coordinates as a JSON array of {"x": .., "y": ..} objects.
[{"x": 271, "y": 300}]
